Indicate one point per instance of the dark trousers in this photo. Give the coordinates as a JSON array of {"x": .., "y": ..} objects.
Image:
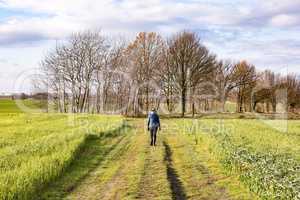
[{"x": 153, "y": 132}]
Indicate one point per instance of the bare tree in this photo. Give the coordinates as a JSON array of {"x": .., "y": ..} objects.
[
  {"x": 70, "y": 69},
  {"x": 145, "y": 58},
  {"x": 266, "y": 90},
  {"x": 291, "y": 84},
  {"x": 225, "y": 80},
  {"x": 91, "y": 73},
  {"x": 165, "y": 78},
  {"x": 245, "y": 77},
  {"x": 192, "y": 62}
]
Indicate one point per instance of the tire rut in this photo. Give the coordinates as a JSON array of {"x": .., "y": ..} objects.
[
  {"x": 176, "y": 185},
  {"x": 91, "y": 185},
  {"x": 122, "y": 183},
  {"x": 197, "y": 178},
  {"x": 154, "y": 182}
]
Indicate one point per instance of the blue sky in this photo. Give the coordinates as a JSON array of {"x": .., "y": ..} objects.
[{"x": 265, "y": 33}]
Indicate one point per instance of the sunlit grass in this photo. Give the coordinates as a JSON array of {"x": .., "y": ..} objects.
[
  {"x": 11, "y": 106},
  {"x": 264, "y": 157},
  {"x": 36, "y": 148}
]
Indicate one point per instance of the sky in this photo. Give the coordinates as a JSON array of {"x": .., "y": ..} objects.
[{"x": 265, "y": 33}]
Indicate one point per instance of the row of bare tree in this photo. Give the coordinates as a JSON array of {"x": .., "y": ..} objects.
[{"x": 92, "y": 73}]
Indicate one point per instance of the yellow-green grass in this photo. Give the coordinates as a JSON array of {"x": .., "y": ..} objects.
[
  {"x": 274, "y": 136},
  {"x": 117, "y": 177},
  {"x": 35, "y": 149},
  {"x": 84, "y": 156},
  {"x": 11, "y": 106},
  {"x": 96, "y": 152},
  {"x": 265, "y": 157},
  {"x": 230, "y": 106},
  {"x": 130, "y": 170},
  {"x": 200, "y": 170}
]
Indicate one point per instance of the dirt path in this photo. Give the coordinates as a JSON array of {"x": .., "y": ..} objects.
[
  {"x": 154, "y": 182},
  {"x": 118, "y": 177},
  {"x": 173, "y": 178},
  {"x": 174, "y": 169}
]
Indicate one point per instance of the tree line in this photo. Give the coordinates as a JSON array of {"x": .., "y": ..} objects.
[{"x": 93, "y": 73}]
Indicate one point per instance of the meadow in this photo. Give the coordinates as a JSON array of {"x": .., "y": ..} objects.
[
  {"x": 264, "y": 155},
  {"x": 37, "y": 148},
  {"x": 10, "y": 106},
  {"x": 85, "y": 156}
]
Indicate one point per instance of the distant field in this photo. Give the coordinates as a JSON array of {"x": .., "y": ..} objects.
[
  {"x": 10, "y": 106},
  {"x": 230, "y": 106}
]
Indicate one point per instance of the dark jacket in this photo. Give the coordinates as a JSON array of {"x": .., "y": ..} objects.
[{"x": 153, "y": 120}]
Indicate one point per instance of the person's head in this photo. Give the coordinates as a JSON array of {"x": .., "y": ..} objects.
[{"x": 153, "y": 110}]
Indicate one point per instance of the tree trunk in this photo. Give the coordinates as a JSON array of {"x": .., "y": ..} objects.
[
  {"x": 193, "y": 108},
  {"x": 147, "y": 98},
  {"x": 183, "y": 101},
  {"x": 274, "y": 107}
]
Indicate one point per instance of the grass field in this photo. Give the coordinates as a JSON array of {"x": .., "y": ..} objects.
[
  {"x": 10, "y": 106},
  {"x": 265, "y": 159},
  {"x": 62, "y": 156},
  {"x": 35, "y": 149}
]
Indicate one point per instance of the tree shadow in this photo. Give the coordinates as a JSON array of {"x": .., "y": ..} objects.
[{"x": 176, "y": 186}]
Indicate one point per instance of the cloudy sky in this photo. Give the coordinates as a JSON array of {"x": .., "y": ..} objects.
[{"x": 266, "y": 33}]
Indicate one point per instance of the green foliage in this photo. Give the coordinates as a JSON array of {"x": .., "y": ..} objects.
[{"x": 272, "y": 176}]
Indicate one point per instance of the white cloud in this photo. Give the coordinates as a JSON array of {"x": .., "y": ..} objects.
[
  {"x": 284, "y": 20},
  {"x": 68, "y": 16},
  {"x": 280, "y": 6},
  {"x": 233, "y": 29},
  {"x": 64, "y": 17}
]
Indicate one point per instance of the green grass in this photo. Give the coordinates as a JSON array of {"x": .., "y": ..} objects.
[
  {"x": 201, "y": 172},
  {"x": 11, "y": 106},
  {"x": 230, "y": 106},
  {"x": 66, "y": 156},
  {"x": 120, "y": 173},
  {"x": 91, "y": 155},
  {"x": 265, "y": 158},
  {"x": 35, "y": 149}
]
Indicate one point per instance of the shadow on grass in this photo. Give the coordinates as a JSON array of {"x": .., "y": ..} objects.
[
  {"x": 176, "y": 186},
  {"x": 87, "y": 157}
]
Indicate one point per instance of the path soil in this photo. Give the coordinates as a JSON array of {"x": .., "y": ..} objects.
[
  {"x": 136, "y": 170},
  {"x": 154, "y": 182},
  {"x": 117, "y": 177},
  {"x": 173, "y": 178}
]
